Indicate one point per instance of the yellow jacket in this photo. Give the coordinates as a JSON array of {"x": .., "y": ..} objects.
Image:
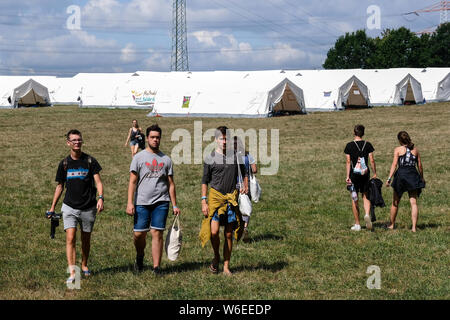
[{"x": 218, "y": 202}]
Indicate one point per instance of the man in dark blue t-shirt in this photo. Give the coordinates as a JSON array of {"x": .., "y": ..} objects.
[{"x": 79, "y": 172}]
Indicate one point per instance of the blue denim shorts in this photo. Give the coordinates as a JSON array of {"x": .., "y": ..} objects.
[
  {"x": 151, "y": 217},
  {"x": 133, "y": 143},
  {"x": 228, "y": 217}
]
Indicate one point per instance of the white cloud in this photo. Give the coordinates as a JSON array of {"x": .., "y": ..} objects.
[{"x": 128, "y": 53}]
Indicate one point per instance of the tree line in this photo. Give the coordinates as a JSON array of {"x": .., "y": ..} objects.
[{"x": 397, "y": 48}]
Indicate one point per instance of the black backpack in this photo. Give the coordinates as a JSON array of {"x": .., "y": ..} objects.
[{"x": 141, "y": 139}]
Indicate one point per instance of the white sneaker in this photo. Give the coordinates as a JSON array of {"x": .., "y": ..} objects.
[
  {"x": 356, "y": 227},
  {"x": 368, "y": 222}
]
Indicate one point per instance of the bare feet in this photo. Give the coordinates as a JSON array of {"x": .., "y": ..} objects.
[
  {"x": 227, "y": 272},
  {"x": 390, "y": 226}
]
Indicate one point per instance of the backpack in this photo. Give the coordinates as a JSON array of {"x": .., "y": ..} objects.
[
  {"x": 360, "y": 168},
  {"x": 141, "y": 140}
]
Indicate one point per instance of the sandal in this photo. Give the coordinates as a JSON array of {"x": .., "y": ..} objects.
[
  {"x": 214, "y": 268},
  {"x": 86, "y": 273},
  {"x": 70, "y": 280}
]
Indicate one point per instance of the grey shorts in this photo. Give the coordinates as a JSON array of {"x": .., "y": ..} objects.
[{"x": 72, "y": 217}]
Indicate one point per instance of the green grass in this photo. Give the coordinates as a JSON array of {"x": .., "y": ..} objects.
[{"x": 301, "y": 248}]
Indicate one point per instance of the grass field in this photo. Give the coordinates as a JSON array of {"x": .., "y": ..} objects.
[{"x": 301, "y": 244}]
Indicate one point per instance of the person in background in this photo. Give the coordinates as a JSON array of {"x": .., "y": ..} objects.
[
  {"x": 358, "y": 153},
  {"x": 250, "y": 168},
  {"x": 133, "y": 135},
  {"x": 406, "y": 178}
]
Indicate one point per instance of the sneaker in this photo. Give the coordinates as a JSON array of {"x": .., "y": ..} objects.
[
  {"x": 356, "y": 227},
  {"x": 139, "y": 264},
  {"x": 368, "y": 222}
]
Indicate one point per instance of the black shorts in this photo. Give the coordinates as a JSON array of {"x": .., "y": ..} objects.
[{"x": 360, "y": 182}]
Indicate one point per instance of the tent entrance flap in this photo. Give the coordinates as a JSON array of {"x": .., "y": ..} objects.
[
  {"x": 409, "y": 98},
  {"x": 355, "y": 96},
  {"x": 31, "y": 98},
  {"x": 288, "y": 102}
]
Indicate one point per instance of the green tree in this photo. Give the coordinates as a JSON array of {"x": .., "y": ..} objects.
[
  {"x": 351, "y": 51},
  {"x": 400, "y": 48},
  {"x": 440, "y": 46}
]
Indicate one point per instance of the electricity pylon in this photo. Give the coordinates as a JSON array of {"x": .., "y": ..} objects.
[{"x": 179, "y": 59}]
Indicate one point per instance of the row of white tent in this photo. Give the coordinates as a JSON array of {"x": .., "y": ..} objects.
[{"x": 232, "y": 93}]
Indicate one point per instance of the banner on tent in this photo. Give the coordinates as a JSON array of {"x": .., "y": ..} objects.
[
  {"x": 144, "y": 98},
  {"x": 186, "y": 100}
]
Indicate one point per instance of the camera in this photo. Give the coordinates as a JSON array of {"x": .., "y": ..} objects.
[{"x": 54, "y": 219}]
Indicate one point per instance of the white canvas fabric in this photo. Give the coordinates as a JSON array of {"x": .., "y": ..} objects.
[
  {"x": 443, "y": 89},
  {"x": 237, "y": 93},
  {"x": 429, "y": 79},
  {"x": 9, "y": 83},
  {"x": 346, "y": 90},
  {"x": 30, "y": 92},
  {"x": 402, "y": 87},
  {"x": 224, "y": 94},
  {"x": 174, "y": 240}
]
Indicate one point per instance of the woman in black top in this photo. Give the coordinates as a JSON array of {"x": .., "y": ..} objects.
[
  {"x": 406, "y": 178},
  {"x": 358, "y": 154},
  {"x": 133, "y": 133}
]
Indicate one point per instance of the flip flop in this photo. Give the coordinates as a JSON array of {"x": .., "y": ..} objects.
[
  {"x": 213, "y": 268},
  {"x": 70, "y": 280},
  {"x": 86, "y": 273}
]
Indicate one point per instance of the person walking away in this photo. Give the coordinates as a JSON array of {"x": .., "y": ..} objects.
[
  {"x": 406, "y": 178},
  {"x": 358, "y": 153}
]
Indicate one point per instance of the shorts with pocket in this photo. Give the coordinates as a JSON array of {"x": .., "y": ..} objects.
[
  {"x": 228, "y": 217},
  {"x": 151, "y": 216},
  {"x": 72, "y": 217}
]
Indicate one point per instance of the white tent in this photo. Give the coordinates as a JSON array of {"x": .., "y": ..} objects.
[
  {"x": 443, "y": 89},
  {"x": 430, "y": 79},
  {"x": 99, "y": 90},
  {"x": 225, "y": 94},
  {"x": 65, "y": 91},
  {"x": 353, "y": 93},
  {"x": 9, "y": 83},
  {"x": 408, "y": 91},
  {"x": 30, "y": 93}
]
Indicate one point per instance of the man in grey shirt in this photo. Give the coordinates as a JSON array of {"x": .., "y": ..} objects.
[{"x": 152, "y": 187}]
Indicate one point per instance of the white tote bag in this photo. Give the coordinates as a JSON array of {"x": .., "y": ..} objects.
[
  {"x": 174, "y": 240},
  {"x": 245, "y": 205},
  {"x": 255, "y": 188}
]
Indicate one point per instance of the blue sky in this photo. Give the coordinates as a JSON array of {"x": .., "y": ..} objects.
[{"x": 131, "y": 35}]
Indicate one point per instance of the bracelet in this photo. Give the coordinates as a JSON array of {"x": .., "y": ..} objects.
[
  {"x": 175, "y": 207},
  {"x": 389, "y": 179},
  {"x": 101, "y": 197},
  {"x": 204, "y": 198}
]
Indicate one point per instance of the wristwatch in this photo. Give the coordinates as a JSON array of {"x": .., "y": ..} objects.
[{"x": 101, "y": 197}]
